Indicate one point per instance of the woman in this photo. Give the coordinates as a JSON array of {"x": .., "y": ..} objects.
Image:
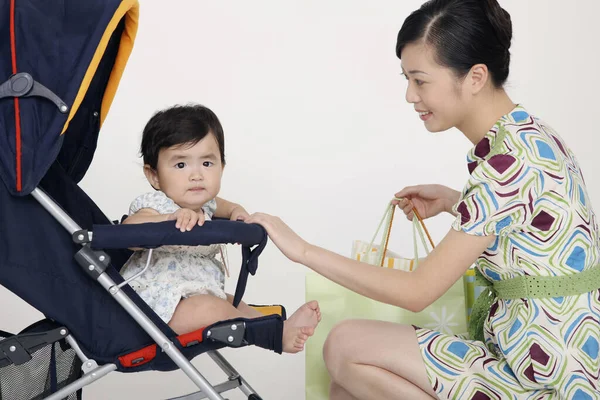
[{"x": 524, "y": 213}]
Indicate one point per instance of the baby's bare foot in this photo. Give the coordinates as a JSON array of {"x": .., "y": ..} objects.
[
  {"x": 307, "y": 315},
  {"x": 294, "y": 337}
]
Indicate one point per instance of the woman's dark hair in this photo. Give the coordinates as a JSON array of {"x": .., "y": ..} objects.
[
  {"x": 463, "y": 33},
  {"x": 178, "y": 125}
]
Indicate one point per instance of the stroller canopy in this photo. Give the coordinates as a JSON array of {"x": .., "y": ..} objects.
[{"x": 60, "y": 67}]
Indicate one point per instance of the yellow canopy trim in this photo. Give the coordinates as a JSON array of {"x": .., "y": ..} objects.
[{"x": 130, "y": 9}]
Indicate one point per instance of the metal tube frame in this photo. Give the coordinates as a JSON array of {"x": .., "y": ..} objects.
[{"x": 94, "y": 373}]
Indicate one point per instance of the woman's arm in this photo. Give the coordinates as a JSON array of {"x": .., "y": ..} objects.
[{"x": 410, "y": 290}]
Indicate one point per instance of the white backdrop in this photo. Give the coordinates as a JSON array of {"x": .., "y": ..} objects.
[{"x": 317, "y": 131}]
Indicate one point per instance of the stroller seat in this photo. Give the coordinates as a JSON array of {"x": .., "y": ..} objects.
[{"x": 58, "y": 251}]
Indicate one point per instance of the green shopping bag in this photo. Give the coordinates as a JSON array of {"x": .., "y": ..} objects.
[
  {"x": 337, "y": 303},
  {"x": 472, "y": 291}
]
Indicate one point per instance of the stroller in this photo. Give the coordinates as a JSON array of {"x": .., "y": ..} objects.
[{"x": 58, "y": 251}]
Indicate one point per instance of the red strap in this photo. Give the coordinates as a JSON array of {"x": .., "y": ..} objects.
[
  {"x": 139, "y": 357},
  {"x": 147, "y": 354},
  {"x": 195, "y": 336},
  {"x": 13, "y": 51}
]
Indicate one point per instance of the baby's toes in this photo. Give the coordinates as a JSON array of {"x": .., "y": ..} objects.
[
  {"x": 307, "y": 331},
  {"x": 313, "y": 305},
  {"x": 300, "y": 341}
]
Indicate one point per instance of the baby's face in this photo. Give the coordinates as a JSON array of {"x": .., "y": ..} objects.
[{"x": 190, "y": 175}]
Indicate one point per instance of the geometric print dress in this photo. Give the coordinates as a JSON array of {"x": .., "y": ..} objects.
[{"x": 527, "y": 189}]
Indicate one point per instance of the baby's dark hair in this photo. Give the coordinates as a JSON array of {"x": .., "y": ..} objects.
[
  {"x": 178, "y": 125},
  {"x": 463, "y": 33}
]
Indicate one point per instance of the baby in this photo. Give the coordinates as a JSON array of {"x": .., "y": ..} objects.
[{"x": 183, "y": 149}]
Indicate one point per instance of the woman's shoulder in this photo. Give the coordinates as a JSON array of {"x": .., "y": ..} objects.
[{"x": 532, "y": 141}]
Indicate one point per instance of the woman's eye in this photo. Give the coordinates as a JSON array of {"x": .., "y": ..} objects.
[
  {"x": 418, "y": 82},
  {"x": 180, "y": 165}
]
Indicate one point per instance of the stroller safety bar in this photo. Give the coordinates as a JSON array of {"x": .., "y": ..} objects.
[{"x": 150, "y": 235}]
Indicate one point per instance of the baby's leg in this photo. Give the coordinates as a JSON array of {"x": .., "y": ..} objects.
[
  {"x": 245, "y": 309},
  {"x": 202, "y": 310},
  {"x": 293, "y": 339}
]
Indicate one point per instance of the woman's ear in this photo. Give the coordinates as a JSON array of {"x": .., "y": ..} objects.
[
  {"x": 152, "y": 176},
  {"x": 478, "y": 77}
]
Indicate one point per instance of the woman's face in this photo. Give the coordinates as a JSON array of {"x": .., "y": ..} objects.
[{"x": 436, "y": 93}]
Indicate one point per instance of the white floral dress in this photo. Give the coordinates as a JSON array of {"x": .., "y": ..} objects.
[{"x": 175, "y": 272}]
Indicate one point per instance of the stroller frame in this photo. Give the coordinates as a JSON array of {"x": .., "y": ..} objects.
[{"x": 92, "y": 372}]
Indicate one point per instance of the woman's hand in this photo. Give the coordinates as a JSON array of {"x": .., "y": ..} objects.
[
  {"x": 290, "y": 244},
  {"x": 429, "y": 200}
]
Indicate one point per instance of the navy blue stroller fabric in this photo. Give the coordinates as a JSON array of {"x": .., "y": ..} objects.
[{"x": 54, "y": 42}]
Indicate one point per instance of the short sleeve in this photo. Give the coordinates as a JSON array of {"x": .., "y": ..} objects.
[
  {"x": 209, "y": 209},
  {"x": 500, "y": 197},
  {"x": 155, "y": 200}
]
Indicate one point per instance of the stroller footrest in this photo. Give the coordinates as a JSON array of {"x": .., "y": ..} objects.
[
  {"x": 18, "y": 349},
  {"x": 275, "y": 309},
  {"x": 265, "y": 332}
]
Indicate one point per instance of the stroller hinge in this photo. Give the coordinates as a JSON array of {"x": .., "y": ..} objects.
[
  {"x": 94, "y": 263},
  {"x": 81, "y": 237},
  {"x": 230, "y": 333},
  {"x": 18, "y": 349},
  {"x": 23, "y": 85}
]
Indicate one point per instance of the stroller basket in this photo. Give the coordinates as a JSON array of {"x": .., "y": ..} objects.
[{"x": 34, "y": 365}]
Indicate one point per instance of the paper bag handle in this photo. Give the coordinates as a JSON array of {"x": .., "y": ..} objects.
[{"x": 386, "y": 222}]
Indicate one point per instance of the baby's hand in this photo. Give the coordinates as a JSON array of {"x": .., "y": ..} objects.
[
  {"x": 186, "y": 219},
  {"x": 239, "y": 214}
]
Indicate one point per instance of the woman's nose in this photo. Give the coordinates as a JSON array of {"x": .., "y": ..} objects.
[{"x": 411, "y": 94}]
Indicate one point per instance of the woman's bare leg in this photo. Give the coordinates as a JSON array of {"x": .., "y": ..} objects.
[
  {"x": 336, "y": 392},
  {"x": 377, "y": 360}
]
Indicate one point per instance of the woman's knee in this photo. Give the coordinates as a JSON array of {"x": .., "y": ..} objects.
[{"x": 338, "y": 346}]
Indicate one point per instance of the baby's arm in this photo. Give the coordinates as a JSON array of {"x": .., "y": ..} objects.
[
  {"x": 142, "y": 216},
  {"x": 146, "y": 215},
  {"x": 185, "y": 218},
  {"x": 229, "y": 210}
]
